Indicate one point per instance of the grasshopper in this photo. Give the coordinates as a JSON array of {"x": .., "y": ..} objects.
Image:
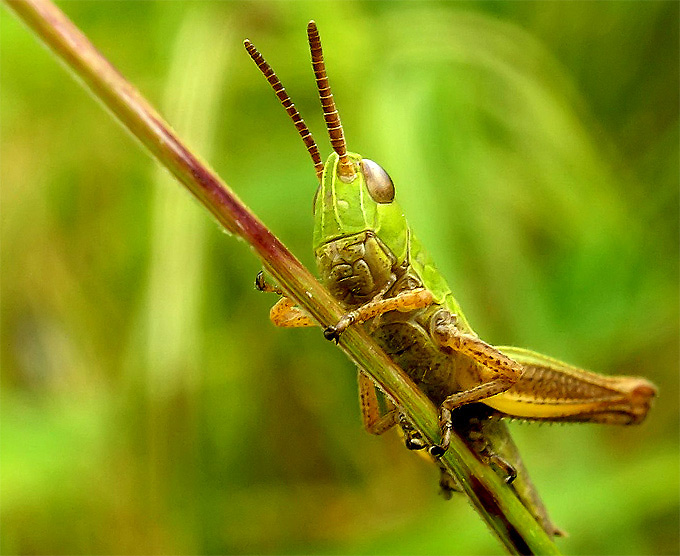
[{"x": 374, "y": 265}]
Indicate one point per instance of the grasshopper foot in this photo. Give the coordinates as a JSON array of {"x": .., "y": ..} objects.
[
  {"x": 413, "y": 440},
  {"x": 414, "y": 443},
  {"x": 437, "y": 450},
  {"x": 446, "y": 426},
  {"x": 260, "y": 283},
  {"x": 331, "y": 333}
]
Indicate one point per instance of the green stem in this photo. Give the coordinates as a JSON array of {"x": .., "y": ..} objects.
[{"x": 494, "y": 500}]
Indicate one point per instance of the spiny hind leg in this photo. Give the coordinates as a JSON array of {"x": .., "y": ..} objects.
[
  {"x": 499, "y": 372},
  {"x": 404, "y": 301},
  {"x": 284, "y": 313}
]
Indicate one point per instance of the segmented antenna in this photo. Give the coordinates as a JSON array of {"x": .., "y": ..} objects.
[
  {"x": 280, "y": 91},
  {"x": 330, "y": 112}
]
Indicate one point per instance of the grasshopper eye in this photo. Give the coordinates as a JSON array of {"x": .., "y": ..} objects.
[{"x": 378, "y": 181}]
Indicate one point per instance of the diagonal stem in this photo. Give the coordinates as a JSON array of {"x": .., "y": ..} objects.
[{"x": 494, "y": 500}]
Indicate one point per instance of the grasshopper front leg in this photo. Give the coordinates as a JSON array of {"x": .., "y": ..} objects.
[
  {"x": 286, "y": 314},
  {"x": 404, "y": 301}
]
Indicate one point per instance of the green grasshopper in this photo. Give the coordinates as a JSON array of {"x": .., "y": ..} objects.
[{"x": 373, "y": 264}]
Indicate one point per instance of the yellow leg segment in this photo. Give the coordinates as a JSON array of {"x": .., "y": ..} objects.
[
  {"x": 288, "y": 315},
  {"x": 284, "y": 313}
]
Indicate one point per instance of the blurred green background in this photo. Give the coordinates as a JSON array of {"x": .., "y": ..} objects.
[{"x": 148, "y": 405}]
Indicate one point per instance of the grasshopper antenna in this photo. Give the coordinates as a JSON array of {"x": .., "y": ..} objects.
[
  {"x": 280, "y": 91},
  {"x": 330, "y": 112}
]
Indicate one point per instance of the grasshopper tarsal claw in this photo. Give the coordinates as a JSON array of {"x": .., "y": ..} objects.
[
  {"x": 437, "y": 450},
  {"x": 331, "y": 333},
  {"x": 413, "y": 440},
  {"x": 260, "y": 283},
  {"x": 414, "y": 443}
]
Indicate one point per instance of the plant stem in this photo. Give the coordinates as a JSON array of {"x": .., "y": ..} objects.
[{"x": 494, "y": 500}]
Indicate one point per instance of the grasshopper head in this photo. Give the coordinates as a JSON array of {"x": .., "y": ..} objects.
[
  {"x": 360, "y": 233},
  {"x": 365, "y": 204}
]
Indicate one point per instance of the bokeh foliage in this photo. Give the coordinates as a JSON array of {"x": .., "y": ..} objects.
[{"x": 147, "y": 404}]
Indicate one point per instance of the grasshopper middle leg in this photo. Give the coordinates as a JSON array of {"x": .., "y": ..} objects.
[
  {"x": 502, "y": 371},
  {"x": 498, "y": 372}
]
